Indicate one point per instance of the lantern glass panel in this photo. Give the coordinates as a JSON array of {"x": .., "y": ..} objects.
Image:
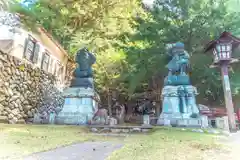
[
  {"x": 218, "y": 48},
  {"x": 228, "y": 48},
  {"x": 223, "y": 51},
  {"x": 215, "y": 54},
  {"x": 224, "y": 48}
]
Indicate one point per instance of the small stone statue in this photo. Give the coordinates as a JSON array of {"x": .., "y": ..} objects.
[
  {"x": 83, "y": 73},
  {"x": 120, "y": 111},
  {"x": 100, "y": 117}
]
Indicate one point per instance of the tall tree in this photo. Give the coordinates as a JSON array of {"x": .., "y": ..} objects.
[
  {"x": 130, "y": 43},
  {"x": 99, "y": 25},
  {"x": 192, "y": 22}
]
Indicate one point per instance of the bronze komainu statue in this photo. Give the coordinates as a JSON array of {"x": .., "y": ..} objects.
[{"x": 83, "y": 73}]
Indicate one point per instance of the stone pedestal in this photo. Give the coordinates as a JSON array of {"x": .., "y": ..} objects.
[
  {"x": 146, "y": 120},
  {"x": 79, "y": 106},
  {"x": 179, "y": 107},
  {"x": 222, "y": 123},
  {"x": 205, "y": 122}
]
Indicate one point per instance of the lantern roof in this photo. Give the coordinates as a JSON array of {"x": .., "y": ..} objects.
[{"x": 225, "y": 36}]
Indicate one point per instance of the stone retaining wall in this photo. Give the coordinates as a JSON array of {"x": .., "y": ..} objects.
[{"x": 25, "y": 90}]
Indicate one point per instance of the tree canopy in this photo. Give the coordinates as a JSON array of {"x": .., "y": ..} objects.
[{"x": 129, "y": 38}]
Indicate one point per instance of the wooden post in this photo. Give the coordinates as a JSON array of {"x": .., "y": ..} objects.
[{"x": 228, "y": 97}]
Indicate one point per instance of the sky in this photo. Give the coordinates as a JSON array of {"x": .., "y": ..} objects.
[
  {"x": 148, "y": 2},
  {"x": 27, "y": 2}
]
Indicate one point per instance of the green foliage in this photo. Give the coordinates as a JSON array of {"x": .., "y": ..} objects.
[
  {"x": 130, "y": 43},
  {"x": 97, "y": 24},
  {"x": 193, "y": 22}
]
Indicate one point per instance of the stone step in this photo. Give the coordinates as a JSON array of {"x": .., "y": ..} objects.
[{"x": 120, "y": 129}]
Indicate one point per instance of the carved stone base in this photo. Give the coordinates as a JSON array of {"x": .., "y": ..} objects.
[
  {"x": 201, "y": 121},
  {"x": 179, "y": 102},
  {"x": 79, "y": 107}
]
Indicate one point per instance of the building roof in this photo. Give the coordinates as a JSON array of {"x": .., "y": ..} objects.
[
  {"x": 56, "y": 43},
  {"x": 51, "y": 38},
  {"x": 225, "y": 35}
]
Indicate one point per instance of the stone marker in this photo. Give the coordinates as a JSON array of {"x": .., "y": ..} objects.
[
  {"x": 37, "y": 119},
  {"x": 52, "y": 118},
  {"x": 222, "y": 123},
  {"x": 112, "y": 121},
  {"x": 146, "y": 119},
  {"x": 204, "y": 121}
]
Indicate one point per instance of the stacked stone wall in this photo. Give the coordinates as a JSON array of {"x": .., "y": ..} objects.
[{"x": 26, "y": 90}]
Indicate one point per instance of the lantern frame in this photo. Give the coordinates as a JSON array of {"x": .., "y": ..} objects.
[{"x": 222, "y": 51}]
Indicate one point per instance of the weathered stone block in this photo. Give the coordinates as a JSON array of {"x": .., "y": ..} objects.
[
  {"x": 94, "y": 129},
  {"x": 3, "y": 119},
  {"x": 136, "y": 130},
  {"x": 52, "y": 118},
  {"x": 115, "y": 130},
  {"x": 37, "y": 119},
  {"x": 21, "y": 121},
  {"x": 222, "y": 123},
  {"x": 105, "y": 130},
  {"x": 146, "y": 119},
  {"x": 167, "y": 122},
  {"x": 194, "y": 122},
  {"x": 125, "y": 130},
  {"x": 74, "y": 112},
  {"x": 145, "y": 130},
  {"x": 204, "y": 120},
  {"x": 112, "y": 121},
  {"x": 182, "y": 122}
]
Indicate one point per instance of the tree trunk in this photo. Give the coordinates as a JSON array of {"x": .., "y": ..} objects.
[
  {"x": 158, "y": 100},
  {"x": 157, "y": 86},
  {"x": 109, "y": 98}
]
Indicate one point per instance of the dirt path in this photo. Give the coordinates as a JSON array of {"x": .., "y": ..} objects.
[
  {"x": 101, "y": 150},
  {"x": 81, "y": 151},
  {"x": 231, "y": 149}
]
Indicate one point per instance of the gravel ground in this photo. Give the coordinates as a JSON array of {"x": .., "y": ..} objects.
[
  {"x": 81, "y": 151},
  {"x": 231, "y": 151}
]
